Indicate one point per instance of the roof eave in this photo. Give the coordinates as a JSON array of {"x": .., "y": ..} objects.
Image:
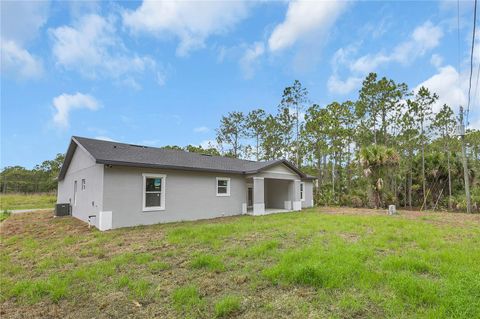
[{"x": 172, "y": 167}]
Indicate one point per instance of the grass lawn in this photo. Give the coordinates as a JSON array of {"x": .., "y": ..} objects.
[
  {"x": 326, "y": 262},
  {"x": 27, "y": 201}
]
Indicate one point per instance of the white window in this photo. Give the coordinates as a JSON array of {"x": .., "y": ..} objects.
[
  {"x": 302, "y": 191},
  {"x": 83, "y": 184},
  {"x": 75, "y": 193},
  {"x": 223, "y": 186},
  {"x": 153, "y": 192}
]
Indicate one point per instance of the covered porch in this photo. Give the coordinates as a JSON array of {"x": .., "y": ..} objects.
[{"x": 272, "y": 195}]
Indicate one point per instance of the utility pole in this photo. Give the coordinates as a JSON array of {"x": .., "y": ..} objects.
[{"x": 461, "y": 132}]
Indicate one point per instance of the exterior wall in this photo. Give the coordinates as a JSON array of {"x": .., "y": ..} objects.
[
  {"x": 188, "y": 196},
  {"x": 258, "y": 195},
  {"x": 308, "y": 202},
  {"x": 89, "y": 201},
  {"x": 277, "y": 192},
  {"x": 279, "y": 171}
]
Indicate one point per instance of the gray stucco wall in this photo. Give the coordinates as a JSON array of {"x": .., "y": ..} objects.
[
  {"x": 89, "y": 201},
  {"x": 277, "y": 192},
  {"x": 308, "y": 194},
  {"x": 188, "y": 196}
]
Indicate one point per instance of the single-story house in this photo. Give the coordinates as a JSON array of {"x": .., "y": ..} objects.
[{"x": 112, "y": 185}]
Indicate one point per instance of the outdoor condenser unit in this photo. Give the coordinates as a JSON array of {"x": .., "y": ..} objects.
[{"x": 62, "y": 209}]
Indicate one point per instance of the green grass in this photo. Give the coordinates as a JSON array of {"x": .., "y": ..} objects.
[
  {"x": 27, "y": 201},
  {"x": 210, "y": 262},
  {"x": 187, "y": 300},
  {"x": 4, "y": 215},
  {"x": 227, "y": 306},
  {"x": 307, "y": 264}
]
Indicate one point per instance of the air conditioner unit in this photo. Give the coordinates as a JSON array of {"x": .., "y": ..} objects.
[{"x": 62, "y": 209}]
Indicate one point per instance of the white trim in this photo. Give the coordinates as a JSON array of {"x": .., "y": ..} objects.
[
  {"x": 84, "y": 149},
  {"x": 302, "y": 191},
  {"x": 162, "y": 192},
  {"x": 259, "y": 209},
  {"x": 244, "y": 208},
  {"x": 75, "y": 190},
  {"x": 228, "y": 186},
  {"x": 297, "y": 205},
  {"x": 105, "y": 220},
  {"x": 258, "y": 177}
]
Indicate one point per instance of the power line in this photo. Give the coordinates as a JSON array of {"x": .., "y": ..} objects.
[
  {"x": 458, "y": 52},
  {"x": 471, "y": 60}
]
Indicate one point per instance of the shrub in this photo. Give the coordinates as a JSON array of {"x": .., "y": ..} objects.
[{"x": 351, "y": 200}]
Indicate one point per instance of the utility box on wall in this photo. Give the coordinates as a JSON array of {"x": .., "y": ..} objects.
[
  {"x": 105, "y": 221},
  {"x": 62, "y": 209}
]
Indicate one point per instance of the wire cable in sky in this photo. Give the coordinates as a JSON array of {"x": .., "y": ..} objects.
[{"x": 471, "y": 61}]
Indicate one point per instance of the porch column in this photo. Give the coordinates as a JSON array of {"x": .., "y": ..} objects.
[
  {"x": 296, "y": 203},
  {"x": 258, "y": 196}
]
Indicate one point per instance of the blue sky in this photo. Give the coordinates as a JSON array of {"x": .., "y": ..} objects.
[{"x": 163, "y": 73}]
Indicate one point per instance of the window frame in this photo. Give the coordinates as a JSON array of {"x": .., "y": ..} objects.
[
  {"x": 228, "y": 186},
  {"x": 84, "y": 184},
  {"x": 162, "y": 192},
  {"x": 75, "y": 189},
  {"x": 302, "y": 191}
]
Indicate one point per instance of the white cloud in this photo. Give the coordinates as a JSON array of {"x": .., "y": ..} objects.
[
  {"x": 209, "y": 144},
  {"x": 91, "y": 47},
  {"x": 201, "y": 129},
  {"x": 192, "y": 22},
  {"x": 339, "y": 86},
  {"x": 446, "y": 84},
  {"x": 452, "y": 89},
  {"x": 302, "y": 19},
  {"x": 424, "y": 38},
  {"x": 18, "y": 61},
  {"x": 249, "y": 58},
  {"x": 436, "y": 60},
  {"x": 65, "y": 103},
  {"x": 475, "y": 124},
  {"x": 21, "y": 21},
  {"x": 105, "y": 138}
]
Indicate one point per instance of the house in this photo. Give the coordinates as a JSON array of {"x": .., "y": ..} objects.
[{"x": 114, "y": 185}]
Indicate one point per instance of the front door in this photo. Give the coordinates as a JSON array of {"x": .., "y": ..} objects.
[{"x": 250, "y": 197}]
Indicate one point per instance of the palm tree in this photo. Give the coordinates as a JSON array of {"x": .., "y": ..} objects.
[{"x": 376, "y": 160}]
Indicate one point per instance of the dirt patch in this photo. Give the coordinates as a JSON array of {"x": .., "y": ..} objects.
[
  {"x": 42, "y": 224},
  {"x": 439, "y": 217}
]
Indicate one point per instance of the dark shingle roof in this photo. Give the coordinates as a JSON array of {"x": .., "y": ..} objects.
[{"x": 114, "y": 153}]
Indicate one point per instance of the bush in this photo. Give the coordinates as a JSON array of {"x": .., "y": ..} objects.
[{"x": 351, "y": 201}]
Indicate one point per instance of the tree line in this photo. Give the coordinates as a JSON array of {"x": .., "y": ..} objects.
[
  {"x": 41, "y": 179},
  {"x": 388, "y": 146}
]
